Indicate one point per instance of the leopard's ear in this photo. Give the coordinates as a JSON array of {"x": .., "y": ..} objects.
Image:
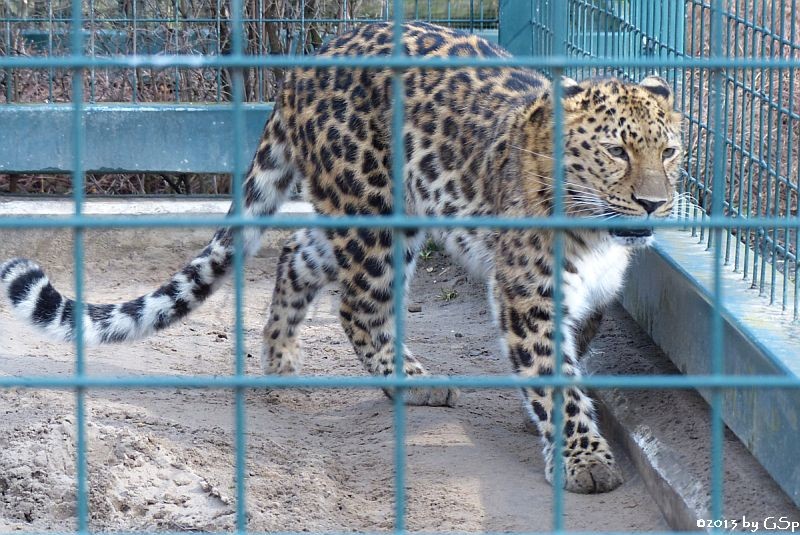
[
  {"x": 540, "y": 112},
  {"x": 659, "y": 88},
  {"x": 570, "y": 87}
]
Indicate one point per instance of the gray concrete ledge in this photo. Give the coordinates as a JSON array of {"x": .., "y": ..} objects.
[
  {"x": 669, "y": 295},
  {"x": 28, "y": 206},
  {"x": 667, "y": 435}
]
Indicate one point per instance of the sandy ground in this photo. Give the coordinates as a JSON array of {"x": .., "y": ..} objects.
[{"x": 317, "y": 460}]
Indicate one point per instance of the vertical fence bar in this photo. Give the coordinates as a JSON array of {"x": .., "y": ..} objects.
[
  {"x": 240, "y": 417},
  {"x": 760, "y": 243},
  {"x": 261, "y": 50},
  {"x": 92, "y": 50},
  {"x": 560, "y": 22},
  {"x": 81, "y": 468},
  {"x": 742, "y": 210},
  {"x": 471, "y": 16},
  {"x": 717, "y": 196},
  {"x": 730, "y": 149},
  {"x": 50, "y": 70},
  {"x": 769, "y": 205},
  {"x": 789, "y": 152},
  {"x": 398, "y": 261},
  {"x": 752, "y": 234},
  {"x": 176, "y": 30},
  {"x": 694, "y": 115},
  {"x": 302, "y": 46},
  {"x": 611, "y": 45},
  {"x": 779, "y": 160},
  {"x": 704, "y": 99},
  {"x": 794, "y": 53},
  {"x": 135, "y": 43},
  {"x": 686, "y": 109},
  {"x": 8, "y": 74},
  {"x": 218, "y": 43}
]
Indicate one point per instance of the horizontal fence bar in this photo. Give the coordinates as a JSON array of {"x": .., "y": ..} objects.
[
  {"x": 372, "y": 382},
  {"x": 486, "y": 21},
  {"x": 389, "y": 222},
  {"x": 390, "y": 62},
  {"x": 120, "y": 138}
]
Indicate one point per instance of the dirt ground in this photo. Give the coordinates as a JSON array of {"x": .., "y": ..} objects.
[{"x": 316, "y": 460}]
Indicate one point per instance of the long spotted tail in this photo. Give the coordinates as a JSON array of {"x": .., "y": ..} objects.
[{"x": 36, "y": 301}]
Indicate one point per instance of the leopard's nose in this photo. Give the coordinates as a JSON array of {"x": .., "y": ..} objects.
[{"x": 649, "y": 205}]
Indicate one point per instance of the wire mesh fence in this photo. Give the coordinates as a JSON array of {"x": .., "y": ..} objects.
[
  {"x": 191, "y": 27},
  {"x": 760, "y": 131},
  {"x": 740, "y": 179}
]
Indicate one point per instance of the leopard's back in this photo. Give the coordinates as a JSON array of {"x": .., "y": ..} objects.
[{"x": 339, "y": 123}]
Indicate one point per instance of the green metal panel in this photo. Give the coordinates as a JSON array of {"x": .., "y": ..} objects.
[
  {"x": 128, "y": 138},
  {"x": 516, "y": 27}
]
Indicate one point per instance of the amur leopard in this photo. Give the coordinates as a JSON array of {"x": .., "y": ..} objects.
[{"x": 478, "y": 142}]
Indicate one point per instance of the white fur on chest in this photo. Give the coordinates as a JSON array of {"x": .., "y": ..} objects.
[{"x": 600, "y": 276}]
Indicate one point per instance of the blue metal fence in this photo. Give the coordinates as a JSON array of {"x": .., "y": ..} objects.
[
  {"x": 550, "y": 35},
  {"x": 180, "y": 115}
]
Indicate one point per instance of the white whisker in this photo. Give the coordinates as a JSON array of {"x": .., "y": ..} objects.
[
  {"x": 531, "y": 152},
  {"x": 578, "y": 188}
]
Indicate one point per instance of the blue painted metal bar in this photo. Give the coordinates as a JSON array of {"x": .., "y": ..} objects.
[
  {"x": 78, "y": 142},
  {"x": 127, "y": 138},
  {"x": 389, "y": 222},
  {"x": 760, "y": 381},
  {"x": 717, "y": 364},
  {"x": 240, "y": 421},
  {"x": 559, "y": 22},
  {"x": 398, "y": 264}
]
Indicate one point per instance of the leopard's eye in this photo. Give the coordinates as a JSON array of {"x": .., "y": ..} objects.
[
  {"x": 618, "y": 152},
  {"x": 668, "y": 153}
]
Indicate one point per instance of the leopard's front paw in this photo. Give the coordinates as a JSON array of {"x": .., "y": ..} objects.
[
  {"x": 283, "y": 359},
  {"x": 432, "y": 397},
  {"x": 590, "y": 472}
]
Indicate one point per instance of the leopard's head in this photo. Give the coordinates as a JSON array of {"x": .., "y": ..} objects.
[{"x": 622, "y": 151}]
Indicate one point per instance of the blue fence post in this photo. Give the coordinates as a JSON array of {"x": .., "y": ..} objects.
[{"x": 516, "y": 32}]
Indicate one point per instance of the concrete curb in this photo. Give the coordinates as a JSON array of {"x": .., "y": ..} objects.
[
  {"x": 675, "y": 280},
  {"x": 169, "y": 206},
  {"x": 681, "y": 500},
  {"x": 667, "y": 435}
]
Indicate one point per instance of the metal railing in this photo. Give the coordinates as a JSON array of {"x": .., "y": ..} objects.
[{"x": 554, "y": 45}]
